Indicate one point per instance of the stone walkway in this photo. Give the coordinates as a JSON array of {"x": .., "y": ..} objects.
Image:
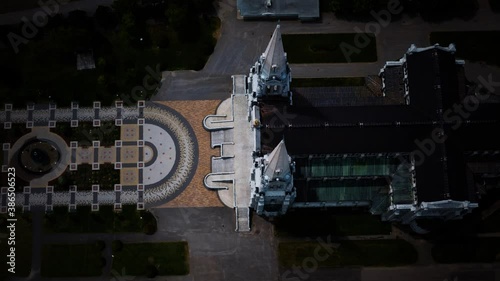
[
  {"x": 230, "y": 171},
  {"x": 165, "y": 176},
  {"x": 196, "y": 194},
  {"x": 166, "y": 154}
]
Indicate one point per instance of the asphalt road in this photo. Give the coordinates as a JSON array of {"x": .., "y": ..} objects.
[{"x": 242, "y": 42}]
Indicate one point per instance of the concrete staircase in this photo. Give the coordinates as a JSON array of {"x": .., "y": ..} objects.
[{"x": 242, "y": 219}]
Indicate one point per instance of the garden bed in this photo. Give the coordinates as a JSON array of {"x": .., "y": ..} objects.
[
  {"x": 70, "y": 260},
  {"x": 152, "y": 259},
  {"x": 329, "y": 48}
]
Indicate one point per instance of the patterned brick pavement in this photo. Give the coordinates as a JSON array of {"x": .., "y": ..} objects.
[
  {"x": 129, "y": 154},
  {"x": 129, "y": 132},
  {"x": 196, "y": 194},
  {"x": 129, "y": 176}
]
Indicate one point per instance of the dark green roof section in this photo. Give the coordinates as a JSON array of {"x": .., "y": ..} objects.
[
  {"x": 350, "y": 167},
  {"x": 349, "y": 179},
  {"x": 401, "y": 184},
  {"x": 340, "y": 190}
]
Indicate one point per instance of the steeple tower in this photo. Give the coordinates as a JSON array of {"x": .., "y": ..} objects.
[
  {"x": 273, "y": 60},
  {"x": 271, "y": 74},
  {"x": 277, "y": 164},
  {"x": 272, "y": 182}
]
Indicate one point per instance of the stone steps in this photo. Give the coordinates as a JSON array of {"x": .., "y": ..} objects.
[{"x": 242, "y": 219}]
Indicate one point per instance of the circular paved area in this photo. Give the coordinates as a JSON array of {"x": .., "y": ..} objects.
[
  {"x": 56, "y": 169},
  {"x": 175, "y": 151},
  {"x": 39, "y": 156},
  {"x": 165, "y": 154}
]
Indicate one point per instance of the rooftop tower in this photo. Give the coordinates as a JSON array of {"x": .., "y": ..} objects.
[
  {"x": 272, "y": 182},
  {"x": 271, "y": 76}
]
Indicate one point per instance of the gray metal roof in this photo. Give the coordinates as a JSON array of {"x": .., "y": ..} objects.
[
  {"x": 278, "y": 163},
  {"x": 274, "y": 58},
  {"x": 301, "y": 9}
]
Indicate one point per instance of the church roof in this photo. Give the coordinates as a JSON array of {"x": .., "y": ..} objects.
[
  {"x": 274, "y": 56},
  {"x": 278, "y": 163},
  {"x": 286, "y": 9}
]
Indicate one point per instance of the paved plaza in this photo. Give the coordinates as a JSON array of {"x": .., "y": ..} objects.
[
  {"x": 164, "y": 153},
  {"x": 156, "y": 155}
]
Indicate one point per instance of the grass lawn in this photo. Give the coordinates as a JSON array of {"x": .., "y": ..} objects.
[
  {"x": 471, "y": 45},
  {"x": 362, "y": 253},
  {"x": 71, "y": 260},
  {"x": 305, "y": 223},
  {"x": 328, "y": 82},
  {"x": 328, "y": 48},
  {"x": 104, "y": 221},
  {"x": 482, "y": 250},
  {"x": 23, "y": 245},
  {"x": 149, "y": 259}
]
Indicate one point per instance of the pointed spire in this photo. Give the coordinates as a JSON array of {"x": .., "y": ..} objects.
[
  {"x": 274, "y": 57},
  {"x": 278, "y": 165}
]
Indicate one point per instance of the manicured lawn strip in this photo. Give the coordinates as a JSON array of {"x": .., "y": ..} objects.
[
  {"x": 71, "y": 260},
  {"x": 328, "y": 82},
  {"x": 482, "y": 250},
  {"x": 23, "y": 245},
  {"x": 104, "y": 221},
  {"x": 141, "y": 259},
  {"x": 471, "y": 45},
  {"x": 326, "y": 48},
  {"x": 349, "y": 253},
  {"x": 305, "y": 223}
]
